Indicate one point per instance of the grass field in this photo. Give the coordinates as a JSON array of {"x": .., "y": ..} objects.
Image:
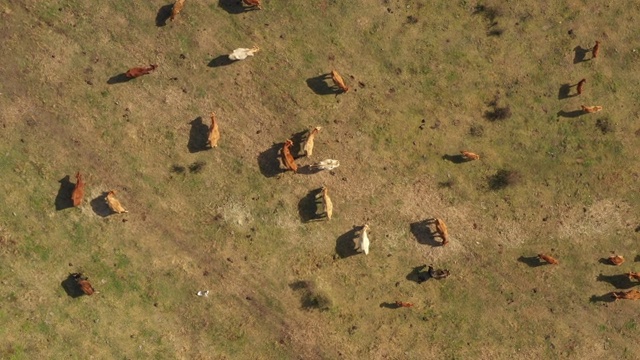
[{"x": 425, "y": 79}]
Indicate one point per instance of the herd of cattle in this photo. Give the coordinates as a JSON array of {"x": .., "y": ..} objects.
[{"x": 361, "y": 243}]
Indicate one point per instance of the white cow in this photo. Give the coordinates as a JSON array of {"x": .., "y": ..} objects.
[
  {"x": 242, "y": 53},
  {"x": 328, "y": 164},
  {"x": 362, "y": 244}
]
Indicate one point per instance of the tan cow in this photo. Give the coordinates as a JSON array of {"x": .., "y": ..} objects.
[
  {"x": 443, "y": 232},
  {"x": 326, "y": 201},
  {"x": 338, "y": 81},
  {"x": 177, "y": 7},
  {"x": 113, "y": 203},
  {"x": 616, "y": 259},
  {"x": 628, "y": 295},
  {"x": 467, "y": 155},
  {"x": 591, "y": 109},
  {"x": 214, "y": 132},
  {"x": 308, "y": 145}
]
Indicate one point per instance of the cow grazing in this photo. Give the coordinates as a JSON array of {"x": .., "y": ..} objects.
[
  {"x": 139, "y": 71},
  {"x": 438, "y": 274},
  {"x": 78, "y": 190},
  {"x": 633, "y": 275},
  {"x": 467, "y": 155},
  {"x": 580, "y": 87},
  {"x": 243, "y": 53},
  {"x": 253, "y": 3},
  {"x": 591, "y": 109},
  {"x": 443, "y": 232},
  {"x": 595, "y": 50},
  {"x": 328, "y": 164},
  {"x": 628, "y": 295},
  {"x": 403, "y": 304},
  {"x": 362, "y": 244},
  {"x": 338, "y": 81},
  {"x": 288, "y": 160},
  {"x": 326, "y": 201},
  {"x": 308, "y": 145},
  {"x": 113, "y": 203},
  {"x": 214, "y": 132},
  {"x": 616, "y": 260},
  {"x": 83, "y": 283},
  {"x": 548, "y": 259},
  {"x": 177, "y": 7}
]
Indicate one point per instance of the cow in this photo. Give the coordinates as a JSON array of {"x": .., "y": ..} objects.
[
  {"x": 616, "y": 259},
  {"x": 628, "y": 295},
  {"x": 253, "y": 3},
  {"x": 83, "y": 283},
  {"x": 580, "y": 87},
  {"x": 338, "y": 81},
  {"x": 633, "y": 275},
  {"x": 362, "y": 243},
  {"x": 288, "y": 160},
  {"x": 595, "y": 50},
  {"x": 403, "y": 304},
  {"x": 326, "y": 201},
  {"x": 443, "y": 232},
  {"x": 591, "y": 109},
  {"x": 243, "y": 53},
  {"x": 214, "y": 132},
  {"x": 78, "y": 190},
  {"x": 113, "y": 203},
  {"x": 139, "y": 71},
  {"x": 467, "y": 155},
  {"x": 308, "y": 145},
  {"x": 548, "y": 259},
  {"x": 177, "y": 7},
  {"x": 328, "y": 164}
]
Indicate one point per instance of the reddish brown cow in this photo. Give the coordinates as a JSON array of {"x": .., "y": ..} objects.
[
  {"x": 78, "y": 190},
  {"x": 288, "y": 160},
  {"x": 443, "y": 232},
  {"x": 548, "y": 259},
  {"x": 253, "y": 3},
  {"x": 581, "y": 86},
  {"x": 83, "y": 283},
  {"x": 139, "y": 71},
  {"x": 628, "y": 295},
  {"x": 633, "y": 275},
  {"x": 595, "y": 50},
  {"x": 403, "y": 304}
]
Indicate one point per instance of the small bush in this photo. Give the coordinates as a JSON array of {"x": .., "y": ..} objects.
[
  {"x": 498, "y": 113},
  {"x": 476, "y": 130},
  {"x": 449, "y": 183},
  {"x": 503, "y": 178},
  {"x": 604, "y": 125},
  {"x": 196, "y": 167},
  {"x": 312, "y": 298}
]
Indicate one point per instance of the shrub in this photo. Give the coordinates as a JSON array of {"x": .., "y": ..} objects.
[
  {"x": 498, "y": 113},
  {"x": 503, "y": 178},
  {"x": 476, "y": 130},
  {"x": 604, "y": 125}
]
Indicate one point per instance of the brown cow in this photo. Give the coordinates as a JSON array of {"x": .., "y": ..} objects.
[
  {"x": 548, "y": 259},
  {"x": 628, "y": 295},
  {"x": 139, "y": 71},
  {"x": 591, "y": 109},
  {"x": 581, "y": 86},
  {"x": 443, "y": 232},
  {"x": 338, "y": 81},
  {"x": 177, "y": 7},
  {"x": 83, "y": 283},
  {"x": 253, "y": 3},
  {"x": 113, "y": 203},
  {"x": 469, "y": 155},
  {"x": 595, "y": 50},
  {"x": 289, "y": 162},
  {"x": 616, "y": 259},
  {"x": 308, "y": 145},
  {"x": 403, "y": 304},
  {"x": 78, "y": 190},
  {"x": 214, "y": 132}
]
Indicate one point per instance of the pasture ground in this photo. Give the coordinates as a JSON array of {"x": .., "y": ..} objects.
[{"x": 423, "y": 77}]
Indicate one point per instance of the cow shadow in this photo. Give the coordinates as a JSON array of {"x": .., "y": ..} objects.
[
  {"x": 456, "y": 159},
  {"x": 235, "y": 6},
  {"x": 222, "y": 60},
  {"x": 608, "y": 297},
  {"x": 531, "y": 261},
  {"x": 637, "y": 258},
  {"x": 198, "y": 136},
  {"x": 605, "y": 261},
  {"x": 320, "y": 86},
  {"x": 308, "y": 170},
  {"x": 345, "y": 243},
  {"x": 164, "y": 13},
  {"x": 580, "y": 54},
  {"x": 63, "y": 199},
  {"x": 423, "y": 234},
  {"x": 118, "y": 79},
  {"x": 564, "y": 92},
  {"x": 570, "y": 114},
  {"x": 418, "y": 275},
  {"x": 620, "y": 281},
  {"x": 269, "y": 161},
  {"x": 71, "y": 287},
  {"x": 298, "y": 139},
  {"x": 309, "y": 207},
  {"x": 99, "y": 205},
  {"x": 390, "y": 305}
]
